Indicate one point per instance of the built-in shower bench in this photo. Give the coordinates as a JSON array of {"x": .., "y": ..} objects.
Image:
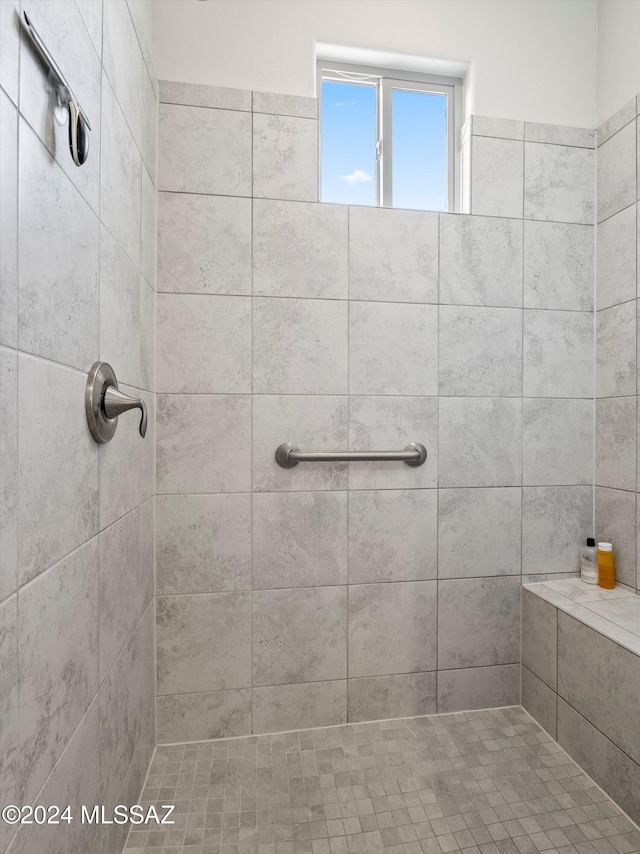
[{"x": 581, "y": 678}]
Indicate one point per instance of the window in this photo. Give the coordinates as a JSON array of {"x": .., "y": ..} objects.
[{"x": 388, "y": 138}]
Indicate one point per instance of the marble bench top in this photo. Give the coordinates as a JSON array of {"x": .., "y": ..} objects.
[{"x": 613, "y": 613}]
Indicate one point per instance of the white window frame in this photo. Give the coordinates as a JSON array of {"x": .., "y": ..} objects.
[{"x": 385, "y": 80}]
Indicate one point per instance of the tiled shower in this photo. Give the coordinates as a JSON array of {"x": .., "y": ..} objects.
[{"x": 182, "y": 620}]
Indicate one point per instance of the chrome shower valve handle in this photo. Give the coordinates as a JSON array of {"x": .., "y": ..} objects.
[{"x": 104, "y": 402}]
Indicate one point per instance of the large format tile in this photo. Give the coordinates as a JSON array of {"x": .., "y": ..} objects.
[
  {"x": 63, "y": 30},
  {"x": 10, "y": 48},
  {"x": 480, "y": 441},
  {"x": 203, "y": 543},
  {"x": 391, "y": 423},
  {"x": 555, "y": 521},
  {"x": 148, "y": 228},
  {"x": 617, "y": 172},
  {"x": 471, "y": 522},
  {"x": 57, "y": 466},
  {"x": 285, "y": 105},
  {"x": 8, "y": 472},
  {"x": 489, "y": 609},
  {"x": 497, "y": 128},
  {"x": 126, "y": 586},
  {"x": 615, "y": 122},
  {"x": 539, "y": 700},
  {"x": 609, "y": 766},
  {"x": 383, "y": 697},
  {"x": 393, "y": 348},
  {"x": 203, "y": 344},
  {"x": 57, "y": 661},
  {"x": 595, "y": 676},
  {"x": 194, "y": 95},
  {"x": 559, "y": 135},
  {"x": 121, "y": 177},
  {"x": 285, "y": 158},
  {"x": 300, "y": 346},
  {"x": 8, "y": 217},
  {"x": 393, "y": 255},
  {"x": 392, "y": 628},
  {"x": 9, "y": 756},
  {"x": 299, "y": 635},
  {"x": 204, "y": 150},
  {"x": 299, "y": 539},
  {"x": 203, "y": 642},
  {"x": 311, "y": 704},
  {"x": 393, "y": 535},
  {"x": 496, "y": 176},
  {"x": 122, "y": 59},
  {"x": 204, "y": 244},
  {"x": 480, "y": 351},
  {"x": 313, "y": 423},
  {"x": 558, "y": 183},
  {"x": 616, "y": 443},
  {"x": 120, "y": 322},
  {"x": 200, "y": 717},
  {"x": 615, "y": 515},
  {"x": 75, "y": 781},
  {"x": 149, "y": 147},
  {"x": 480, "y": 261},
  {"x": 566, "y": 461},
  {"x": 540, "y": 638},
  {"x": 616, "y": 350},
  {"x": 58, "y": 303},
  {"x": 558, "y": 266},
  {"x": 203, "y": 443},
  {"x": 299, "y": 249},
  {"x": 558, "y": 354},
  {"x": 616, "y": 259},
  {"x": 478, "y": 688}
]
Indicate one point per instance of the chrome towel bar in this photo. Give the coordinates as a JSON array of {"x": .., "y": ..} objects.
[{"x": 289, "y": 455}]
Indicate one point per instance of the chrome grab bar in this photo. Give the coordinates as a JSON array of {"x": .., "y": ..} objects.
[{"x": 289, "y": 455}]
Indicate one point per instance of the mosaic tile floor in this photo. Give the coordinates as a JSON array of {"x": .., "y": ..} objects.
[{"x": 488, "y": 782}]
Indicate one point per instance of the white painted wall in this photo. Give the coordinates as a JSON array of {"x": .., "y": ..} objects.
[
  {"x": 530, "y": 59},
  {"x": 618, "y": 54}
]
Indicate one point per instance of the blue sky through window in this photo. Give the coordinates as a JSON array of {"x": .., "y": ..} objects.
[{"x": 349, "y": 140}]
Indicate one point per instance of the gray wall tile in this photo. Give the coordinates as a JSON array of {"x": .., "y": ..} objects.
[
  {"x": 617, "y": 172},
  {"x": 539, "y": 700},
  {"x": 123, "y": 64},
  {"x": 204, "y": 344},
  {"x": 194, "y": 95},
  {"x": 299, "y": 635},
  {"x": 480, "y": 261},
  {"x": 204, "y": 244},
  {"x": 200, "y": 717},
  {"x": 616, "y": 259},
  {"x": 616, "y": 350},
  {"x": 558, "y": 183},
  {"x": 558, "y": 266},
  {"x": 470, "y": 524},
  {"x": 194, "y": 435},
  {"x": 558, "y": 354},
  {"x": 310, "y": 704},
  {"x": 480, "y": 351},
  {"x": 299, "y": 539},
  {"x": 497, "y": 128},
  {"x": 285, "y": 105},
  {"x": 496, "y": 176},
  {"x": 392, "y": 628},
  {"x": 285, "y": 158},
  {"x": 478, "y": 688},
  {"x": 299, "y": 249},
  {"x": 384, "y": 697},
  {"x": 8, "y": 215},
  {"x": 615, "y": 512},
  {"x": 488, "y": 608},
  {"x": 617, "y": 121},
  {"x": 203, "y": 543},
  {"x": 566, "y": 461},
  {"x": 10, "y": 48},
  {"x": 204, "y": 150},
  {"x": 393, "y": 535},
  {"x": 8, "y": 472},
  {"x": 9, "y": 756},
  {"x": 203, "y": 642},
  {"x": 480, "y": 441},
  {"x": 559, "y": 135},
  {"x": 393, "y": 348},
  {"x": 556, "y": 520},
  {"x": 616, "y": 442},
  {"x": 300, "y": 346},
  {"x": 540, "y": 638},
  {"x": 393, "y": 255}
]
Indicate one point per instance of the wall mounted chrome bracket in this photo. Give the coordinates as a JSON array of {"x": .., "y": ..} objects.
[{"x": 104, "y": 403}]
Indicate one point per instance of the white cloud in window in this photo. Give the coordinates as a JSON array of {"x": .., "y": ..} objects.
[
  {"x": 358, "y": 176},
  {"x": 345, "y": 104}
]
